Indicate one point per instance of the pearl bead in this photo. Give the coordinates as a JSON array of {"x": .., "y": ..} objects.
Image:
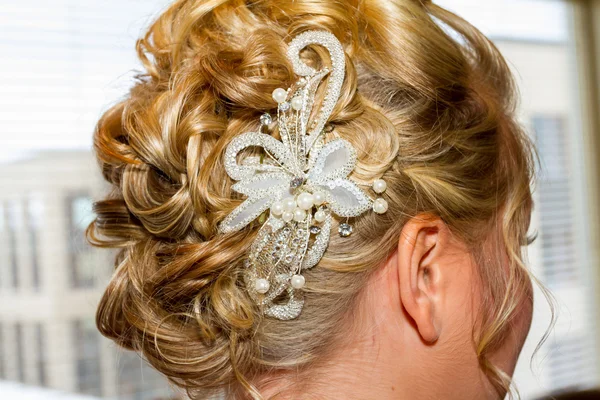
[
  {"x": 305, "y": 201},
  {"x": 318, "y": 198},
  {"x": 320, "y": 216},
  {"x": 297, "y": 103},
  {"x": 299, "y": 215},
  {"x": 298, "y": 281},
  {"x": 287, "y": 216},
  {"x": 279, "y": 95},
  {"x": 380, "y": 206},
  {"x": 289, "y": 204},
  {"x": 262, "y": 285},
  {"x": 379, "y": 186},
  {"x": 277, "y": 209}
]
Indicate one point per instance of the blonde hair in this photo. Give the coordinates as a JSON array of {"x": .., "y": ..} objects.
[{"x": 432, "y": 115}]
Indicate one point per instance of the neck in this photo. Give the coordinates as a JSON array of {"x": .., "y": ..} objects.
[
  {"x": 374, "y": 363},
  {"x": 361, "y": 371}
]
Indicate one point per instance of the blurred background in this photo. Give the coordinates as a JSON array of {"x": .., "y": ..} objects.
[{"x": 65, "y": 61}]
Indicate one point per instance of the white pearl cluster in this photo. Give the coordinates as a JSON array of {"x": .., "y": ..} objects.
[{"x": 296, "y": 208}]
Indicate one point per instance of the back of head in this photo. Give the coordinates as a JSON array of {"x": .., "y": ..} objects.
[{"x": 431, "y": 114}]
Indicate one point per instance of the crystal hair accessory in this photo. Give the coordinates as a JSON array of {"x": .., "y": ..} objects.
[{"x": 301, "y": 180}]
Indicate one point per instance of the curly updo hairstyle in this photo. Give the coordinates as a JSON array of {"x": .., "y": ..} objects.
[{"x": 431, "y": 114}]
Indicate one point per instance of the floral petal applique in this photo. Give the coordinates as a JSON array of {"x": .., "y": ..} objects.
[
  {"x": 263, "y": 183},
  {"x": 257, "y": 203},
  {"x": 346, "y": 199},
  {"x": 271, "y": 146},
  {"x": 335, "y": 160},
  {"x": 245, "y": 213}
]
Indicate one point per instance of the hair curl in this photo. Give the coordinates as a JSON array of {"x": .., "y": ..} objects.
[{"x": 434, "y": 116}]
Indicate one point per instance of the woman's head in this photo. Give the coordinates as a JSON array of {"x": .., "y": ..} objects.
[{"x": 430, "y": 113}]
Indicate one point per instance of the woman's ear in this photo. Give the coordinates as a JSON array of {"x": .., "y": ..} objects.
[{"x": 422, "y": 249}]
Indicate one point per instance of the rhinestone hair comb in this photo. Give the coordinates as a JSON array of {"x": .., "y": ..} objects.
[{"x": 301, "y": 180}]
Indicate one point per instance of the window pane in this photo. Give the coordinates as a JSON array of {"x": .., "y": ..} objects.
[
  {"x": 82, "y": 256},
  {"x": 34, "y": 223},
  {"x": 20, "y": 352},
  {"x": 40, "y": 345},
  {"x": 13, "y": 218},
  {"x": 87, "y": 350}
]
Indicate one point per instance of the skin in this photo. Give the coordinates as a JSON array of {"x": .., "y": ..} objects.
[{"x": 414, "y": 338}]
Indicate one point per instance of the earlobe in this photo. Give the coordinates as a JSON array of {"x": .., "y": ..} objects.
[{"x": 419, "y": 249}]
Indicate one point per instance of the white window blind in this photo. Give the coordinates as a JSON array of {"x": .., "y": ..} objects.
[
  {"x": 571, "y": 356},
  {"x": 63, "y": 61},
  {"x": 555, "y": 203}
]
